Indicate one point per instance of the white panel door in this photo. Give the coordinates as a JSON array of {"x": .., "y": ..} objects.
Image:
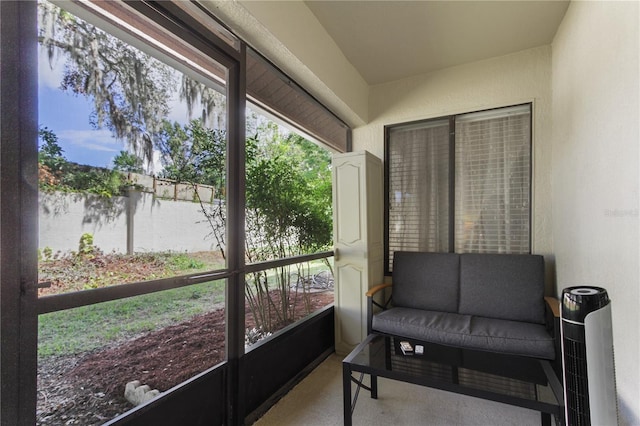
[{"x": 357, "y": 204}]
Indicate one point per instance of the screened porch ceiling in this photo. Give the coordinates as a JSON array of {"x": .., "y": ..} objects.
[{"x": 391, "y": 40}]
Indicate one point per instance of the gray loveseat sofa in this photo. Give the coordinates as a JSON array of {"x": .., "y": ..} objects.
[{"x": 489, "y": 302}]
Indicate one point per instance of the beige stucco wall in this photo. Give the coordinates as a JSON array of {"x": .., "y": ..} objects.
[
  {"x": 507, "y": 80},
  {"x": 595, "y": 175},
  {"x": 291, "y": 37},
  {"x": 584, "y": 88}
]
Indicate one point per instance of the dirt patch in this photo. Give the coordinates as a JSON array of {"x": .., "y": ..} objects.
[
  {"x": 68, "y": 272},
  {"x": 88, "y": 390}
]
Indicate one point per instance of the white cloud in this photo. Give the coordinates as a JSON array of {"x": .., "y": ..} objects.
[{"x": 97, "y": 140}]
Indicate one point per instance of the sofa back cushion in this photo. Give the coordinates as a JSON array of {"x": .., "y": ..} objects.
[
  {"x": 503, "y": 286},
  {"x": 426, "y": 280}
]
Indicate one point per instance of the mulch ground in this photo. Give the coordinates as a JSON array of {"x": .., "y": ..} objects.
[{"x": 89, "y": 389}]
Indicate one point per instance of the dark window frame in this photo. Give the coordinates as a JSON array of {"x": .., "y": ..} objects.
[
  {"x": 451, "y": 172},
  {"x": 20, "y": 302}
]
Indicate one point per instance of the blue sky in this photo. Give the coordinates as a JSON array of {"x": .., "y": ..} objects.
[{"x": 67, "y": 115}]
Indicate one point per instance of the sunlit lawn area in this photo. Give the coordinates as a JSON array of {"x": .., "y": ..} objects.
[
  {"x": 86, "y": 328},
  {"x": 89, "y": 327}
]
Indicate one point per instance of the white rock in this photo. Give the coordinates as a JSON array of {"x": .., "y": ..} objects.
[{"x": 138, "y": 394}]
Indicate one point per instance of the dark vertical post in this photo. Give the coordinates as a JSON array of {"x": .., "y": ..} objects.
[
  {"x": 452, "y": 184},
  {"x": 236, "y": 102},
  {"x": 18, "y": 211},
  {"x": 374, "y": 386},
  {"x": 387, "y": 157},
  {"x": 133, "y": 198},
  {"x": 346, "y": 393}
]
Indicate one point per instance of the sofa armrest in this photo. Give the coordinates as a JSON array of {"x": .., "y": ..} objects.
[
  {"x": 371, "y": 302},
  {"x": 552, "y": 316},
  {"x": 376, "y": 289},
  {"x": 554, "y": 306}
]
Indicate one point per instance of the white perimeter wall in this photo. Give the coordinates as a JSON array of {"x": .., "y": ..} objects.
[
  {"x": 595, "y": 177},
  {"x": 158, "y": 225},
  {"x": 502, "y": 81}
]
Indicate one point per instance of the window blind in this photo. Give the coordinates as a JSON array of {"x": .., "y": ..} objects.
[
  {"x": 419, "y": 188},
  {"x": 492, "y": 190},
  {"x": 469, "y": 195}
]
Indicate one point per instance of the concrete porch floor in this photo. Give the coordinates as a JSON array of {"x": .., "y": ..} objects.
[{"x": 317, "y": 400}]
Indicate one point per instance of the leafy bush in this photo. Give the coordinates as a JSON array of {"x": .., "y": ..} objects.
[
  {"x": 183, "y": 262},
  {"x": 288, "y": 213},
  {"x": 193, "y": 153},
  {"x": 127, "y": 162},
  {"x": 85, "y": 247},
  {"x": 58, "y": 174}
]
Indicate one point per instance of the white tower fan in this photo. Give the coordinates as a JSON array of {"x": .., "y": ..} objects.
[{"x": 587, "y": 357}]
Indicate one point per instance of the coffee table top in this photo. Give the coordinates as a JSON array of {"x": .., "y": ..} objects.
[{"x": 455, "y": 369}]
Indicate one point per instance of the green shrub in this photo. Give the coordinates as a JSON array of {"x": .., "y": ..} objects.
[
  {"x": 183, "y": 262},
  {"x": 86, "y": 247}
]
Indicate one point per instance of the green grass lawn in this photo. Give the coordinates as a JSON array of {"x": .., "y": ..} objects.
[
  {"x": 87, "y": 328},
  {"x": 90, "y": 327}
]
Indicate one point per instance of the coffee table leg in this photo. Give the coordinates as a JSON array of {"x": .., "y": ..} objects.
[
  {"x": 374, "y": 387},
  {"x": 346, "y": 393},
  {"x": 545, "y": 419}
]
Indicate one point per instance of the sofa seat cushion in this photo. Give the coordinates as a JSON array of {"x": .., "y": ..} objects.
[
  {"x": 431, "y": 326},
  {"x": 466, "y": 331},
  {"x": 513, "y": 337}
]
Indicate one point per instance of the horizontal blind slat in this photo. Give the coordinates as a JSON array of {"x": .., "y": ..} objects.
[{"x": 492, "y": 183}]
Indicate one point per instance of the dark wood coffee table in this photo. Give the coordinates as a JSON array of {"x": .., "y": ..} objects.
[{"x": 521, "y": 381}]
